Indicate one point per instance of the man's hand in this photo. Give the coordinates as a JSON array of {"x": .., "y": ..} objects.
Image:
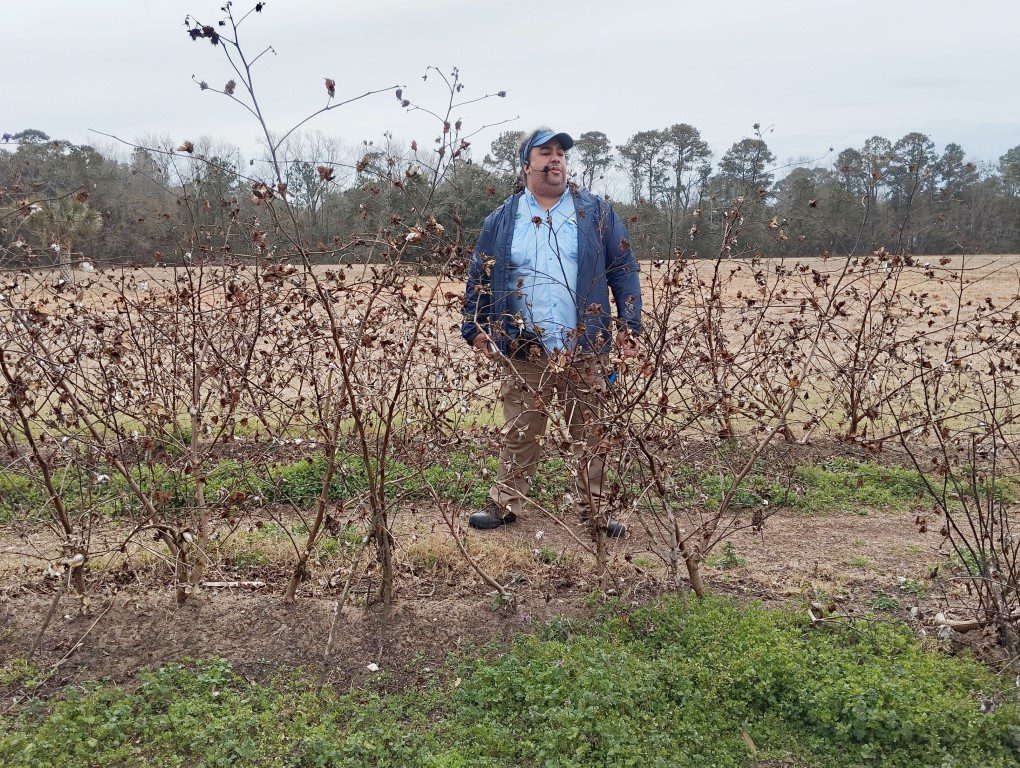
[
  {"x": 629, "y": 345},
  {"x": 482, "y": 343}
]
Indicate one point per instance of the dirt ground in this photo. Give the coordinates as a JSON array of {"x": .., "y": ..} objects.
[{"x": 844, "y": 559}]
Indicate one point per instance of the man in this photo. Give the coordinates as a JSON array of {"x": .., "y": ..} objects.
[{"x": 538, "y": 301}]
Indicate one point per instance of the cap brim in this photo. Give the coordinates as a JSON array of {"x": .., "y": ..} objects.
[{"x": 563, "y": 138}]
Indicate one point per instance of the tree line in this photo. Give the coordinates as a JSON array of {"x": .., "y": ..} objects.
[
  {"x": 902, "y": 195},
  {"x": 62, "y": 202}
]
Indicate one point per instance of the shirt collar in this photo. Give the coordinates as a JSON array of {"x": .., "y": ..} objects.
[{"x": 532, "y": 201}]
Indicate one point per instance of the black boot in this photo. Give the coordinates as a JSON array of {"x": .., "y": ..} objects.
[
  {"x": 615, "y": 530},
  {"x": 491, "y": 516}
]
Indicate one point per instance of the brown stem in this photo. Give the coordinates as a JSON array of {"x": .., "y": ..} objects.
[
  {"x": 692, "y": 559},
  {"x": 77, "y": 574},
  {"x": 300, "y": 572}
]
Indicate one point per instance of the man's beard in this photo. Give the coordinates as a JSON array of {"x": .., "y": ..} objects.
[{"x": 552, "y": 182}]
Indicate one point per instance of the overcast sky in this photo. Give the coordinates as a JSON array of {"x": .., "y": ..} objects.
[{"x": 819, "y": 73}]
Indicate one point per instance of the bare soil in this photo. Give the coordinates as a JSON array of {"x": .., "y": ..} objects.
[{"x": 843, "y": 559}]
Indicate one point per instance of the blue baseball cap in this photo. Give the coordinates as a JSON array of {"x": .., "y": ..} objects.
[{"x": 544, "y": 137}]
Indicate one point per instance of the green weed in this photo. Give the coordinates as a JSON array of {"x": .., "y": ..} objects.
[
  {"x": 668, "y": 685},
  {"x": 727, "y": 557},
  {"x": 884, "y": 602},
  {"x": 20, "y": 498},
  {"x": 463, "y": 479},
  {"x": 843, "y": 484},
  {"x": 547, "y": 555},
  {"x": 913, "y": 587}
]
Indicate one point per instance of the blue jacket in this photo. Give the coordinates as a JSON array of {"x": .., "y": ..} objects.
[{"x": 605, "y": 262}]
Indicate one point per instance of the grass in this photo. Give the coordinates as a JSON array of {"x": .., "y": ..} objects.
[
  {"x": 463, "y": 478},
  {"x": 678, "y": 684},
  {"x": 20, "y": 498},
  {"x": 547, "y": 555},
  {"x": 435, "y": 553},
  {"x": 838, "y": 484},
  {"x": 842, "y": 483}
]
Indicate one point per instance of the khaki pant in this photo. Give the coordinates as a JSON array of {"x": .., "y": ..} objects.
[{"x": 526, "y": 395}]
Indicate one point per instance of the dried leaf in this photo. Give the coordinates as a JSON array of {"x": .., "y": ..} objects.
[{"x": 748, "y": 741}]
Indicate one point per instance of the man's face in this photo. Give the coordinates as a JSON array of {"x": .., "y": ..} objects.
[{"x": 546, "y": 171}]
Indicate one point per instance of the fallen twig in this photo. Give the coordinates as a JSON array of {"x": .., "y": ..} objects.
[
  {"x": 500, "y": 589},
  {"x": 81, "y": 640},
  {"x": 64, "y": 585},
  {"x": 338, "y": 609},
  {"x": 233, "y": 584},
  {"x": 971, "y": 624}
]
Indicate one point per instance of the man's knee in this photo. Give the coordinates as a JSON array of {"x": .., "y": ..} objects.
[
  {"x": 522, "y": 439},
  {"x": 524, "y": 425}
]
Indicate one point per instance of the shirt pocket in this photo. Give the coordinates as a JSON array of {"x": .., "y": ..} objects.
[
  {"x": 522, "y": 248},
  {"x": 566, "y": 236}
]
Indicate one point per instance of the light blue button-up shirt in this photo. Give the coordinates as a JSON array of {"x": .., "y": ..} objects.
[{"x": 543, "y": 269}]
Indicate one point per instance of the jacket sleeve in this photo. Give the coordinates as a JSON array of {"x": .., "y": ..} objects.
[
  {"x": 478, "y": 299},
  {"x": 622, "y": 273}
]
